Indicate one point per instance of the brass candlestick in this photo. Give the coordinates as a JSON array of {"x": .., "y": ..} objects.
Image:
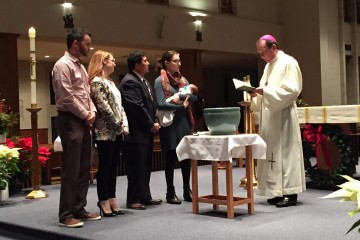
[{"x": 249, "y": 127}]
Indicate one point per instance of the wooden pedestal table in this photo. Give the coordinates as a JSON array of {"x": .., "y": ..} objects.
[{"x": 222, "y": 149}]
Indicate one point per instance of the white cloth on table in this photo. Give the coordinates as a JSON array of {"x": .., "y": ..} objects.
[
  {"x": 220, "y": 147},
  {"x": 329, "y": 114}
]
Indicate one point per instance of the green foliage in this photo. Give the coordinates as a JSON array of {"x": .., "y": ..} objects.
[
  {"x": 355, "y": 225},
  {"x": 8, "y": 164},
  {"x": 329, "y": 179},
  {"x": 4, "y": 122},
  {"x": 7, "y": 118}
]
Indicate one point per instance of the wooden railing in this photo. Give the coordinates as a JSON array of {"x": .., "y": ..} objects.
[{"x": 52, "y": 171}]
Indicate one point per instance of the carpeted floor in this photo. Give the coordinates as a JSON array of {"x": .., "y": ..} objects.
[{"x": 312, "y": 219}]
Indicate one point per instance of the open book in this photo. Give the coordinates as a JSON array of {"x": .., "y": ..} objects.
[{"x": 243, "y": 86}]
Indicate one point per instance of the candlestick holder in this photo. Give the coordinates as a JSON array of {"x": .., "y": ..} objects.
[
  {"x": 249, "y": 127},
  {"x": 36, "y": 192}
]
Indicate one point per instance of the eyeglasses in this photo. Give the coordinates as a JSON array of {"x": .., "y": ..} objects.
[
  {"x": 177, "y": 61},
  {"x": 112, "y": 60}
]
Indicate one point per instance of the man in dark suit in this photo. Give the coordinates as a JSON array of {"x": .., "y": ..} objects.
[{"x": 140, "y": 109}]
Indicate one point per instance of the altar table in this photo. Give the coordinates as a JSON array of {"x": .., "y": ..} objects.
[
  {"x": 340, "y": 114},
  {"x": 329, "y": 114},
  {"x": 222, "y": 148}
]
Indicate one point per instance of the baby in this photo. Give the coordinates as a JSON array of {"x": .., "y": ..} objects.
[
  {"x": 166, "y": 117},
  {"x": 189, "y": 89}
]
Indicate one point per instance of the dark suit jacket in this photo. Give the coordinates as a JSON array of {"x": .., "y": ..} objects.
[{"x": 139, "y": 107}]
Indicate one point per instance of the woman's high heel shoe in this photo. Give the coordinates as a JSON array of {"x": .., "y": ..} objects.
[
  {"x": 103, "y": 213},
  {"x": 113, "y": 204},
  {"x": 117, "y": 212}
]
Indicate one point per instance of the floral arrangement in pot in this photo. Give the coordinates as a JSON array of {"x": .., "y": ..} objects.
[
  {"x": 349, "y": 191},
  {"x": 7, "y": 117},
  {"x": 9, "y": 158},
  {"x": 26, "y": 156}
]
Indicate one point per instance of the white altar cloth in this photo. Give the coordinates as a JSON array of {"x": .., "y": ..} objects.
[
  {"x": 220, "y": 147},
  {"x": 329, "y": 114}
]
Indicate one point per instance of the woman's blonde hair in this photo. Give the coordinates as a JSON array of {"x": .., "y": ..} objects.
[{"x": 95, "y": 67}]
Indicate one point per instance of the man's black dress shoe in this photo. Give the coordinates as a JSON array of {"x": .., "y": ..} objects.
[
  {"x": 136, "y": 206},
  {"x": 188, "y": 196},
  {"x": 153, "y": 202},
  {"x": 289, "y": 200},
  {"x": 275, "y": 200},
  {"x": 172, "y": 199}
]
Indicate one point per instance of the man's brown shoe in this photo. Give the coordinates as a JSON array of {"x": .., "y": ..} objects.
[
  {"x": 136, "y": 206},
  {"x": 86, "y": 216},
  {"x": 71, "y": 223}
]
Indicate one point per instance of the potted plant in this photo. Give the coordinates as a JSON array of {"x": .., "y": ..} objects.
[
  {"x": 25, "y": 159},
  {"x": 349, "y": 191},
  {"x": 9, "y": 158},
  {"x": 7, "y": 120}
]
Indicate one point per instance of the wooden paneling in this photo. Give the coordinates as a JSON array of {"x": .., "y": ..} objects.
[
  {"x": 9, "y": 80},
  {"x": 42, "y": 134},
  {"x": 52, "y": 171}
]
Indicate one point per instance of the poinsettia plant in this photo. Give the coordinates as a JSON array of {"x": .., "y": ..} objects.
[
  {"x": 7, "y": 117},
  {"x": 26, "y": 155},
  {"x": 349, "y": 191},
  {"x": 9, "y": 158}
]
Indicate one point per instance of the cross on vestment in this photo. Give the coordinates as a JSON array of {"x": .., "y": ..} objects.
[{"x": 271, "y": 161}]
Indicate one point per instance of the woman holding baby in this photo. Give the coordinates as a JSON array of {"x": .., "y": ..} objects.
[{"x": 168, "y": 85}]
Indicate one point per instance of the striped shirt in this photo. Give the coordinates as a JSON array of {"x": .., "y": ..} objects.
[{"x": 71, "y": 86}]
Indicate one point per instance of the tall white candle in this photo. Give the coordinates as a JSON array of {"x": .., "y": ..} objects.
[
  {"x": 32, "y": 35},
  {"x": 33, "y": 92}
]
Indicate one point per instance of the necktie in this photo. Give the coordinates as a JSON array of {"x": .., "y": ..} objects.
[{"x": 147, "y": 86}]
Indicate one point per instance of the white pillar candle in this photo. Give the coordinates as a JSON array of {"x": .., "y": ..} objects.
[
  {"x": 33, "y": 92},
  {"x": 32, "y": 35}
]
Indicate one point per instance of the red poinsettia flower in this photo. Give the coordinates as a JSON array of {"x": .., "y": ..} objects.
[
  {"x": 25, "y": 143},
  {"x": 43, "y": 160},
  {"x": 9, "y": 143},
  {"x": 44, "y": 151},
  {"x": 26, "y": 154}
]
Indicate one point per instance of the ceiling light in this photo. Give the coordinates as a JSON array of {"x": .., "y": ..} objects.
[
  {"x": 197, "y": 14},
  {"x": 68, "y": 17}
]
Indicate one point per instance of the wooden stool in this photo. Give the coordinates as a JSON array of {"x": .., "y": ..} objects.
[{"x": 229, "y": 199}]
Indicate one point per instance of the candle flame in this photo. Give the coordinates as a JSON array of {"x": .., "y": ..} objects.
[{"x": 32, "y": 32}]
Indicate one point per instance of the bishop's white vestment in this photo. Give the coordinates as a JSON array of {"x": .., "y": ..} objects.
[{"x": 282, "y": 173}]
